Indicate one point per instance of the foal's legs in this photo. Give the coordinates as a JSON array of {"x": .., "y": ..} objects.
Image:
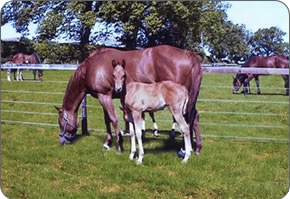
[
  {"x": 133, "y": 141},
  {"x": 106, "y": 101},
  {"x": 177, "y": 114},
  {"x": 138, "y": 130}
]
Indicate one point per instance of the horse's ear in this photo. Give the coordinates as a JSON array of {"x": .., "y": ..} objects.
[
  {"x": 114, "y": 63},
  {"x": 58, "y": 109},
  {"x": 123, "y": 63}
]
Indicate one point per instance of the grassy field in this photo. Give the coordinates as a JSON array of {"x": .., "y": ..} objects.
[{"x": 244, "y": 155}]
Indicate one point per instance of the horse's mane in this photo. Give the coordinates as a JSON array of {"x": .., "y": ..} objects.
[{"x": 75, "y": 85}]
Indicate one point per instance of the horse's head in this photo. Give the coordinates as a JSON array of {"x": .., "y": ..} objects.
[
  {"x": 68, "y": 125},
  {"x": 119, "y": 75},
  {"x": 236, "y": 83}
]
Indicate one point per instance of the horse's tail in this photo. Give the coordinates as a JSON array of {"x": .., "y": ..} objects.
[
  {"x": 196, "y": 77},
  {"x": 37, "y": 58}
]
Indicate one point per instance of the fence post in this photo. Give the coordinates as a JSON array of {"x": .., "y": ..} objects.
[{"x": 84, "y": 116}]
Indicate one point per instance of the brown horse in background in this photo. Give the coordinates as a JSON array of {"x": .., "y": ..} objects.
[
  {"x": 260, "y": 62},
  {"x": 95, "y": 76},
  {"x": 21, "y": 58}
]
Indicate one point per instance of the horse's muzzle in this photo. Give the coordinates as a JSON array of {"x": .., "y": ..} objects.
[
  {"x": 63, "y": 140},
  {"x": 118, "y": 90},
  {"x": 66, "y": 139},
  {"x": 235, "y": 92}
]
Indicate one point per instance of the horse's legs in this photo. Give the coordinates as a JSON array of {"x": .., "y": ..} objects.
[
  {"x": 286, "y": 79},
  {"x": 34, "y": 74},
  {"x": 197, "y": 133},
  {"x": 109, "y": 138},
  {"x": 133, "y": 141},
  {"x": 258, "y": 84},
  {"x": 20, "y": 75},
  {"x": 155, "y": 131},
  {"x": 40, "y": 74},
  {"x": 8, "y": 74},
  {"x": 247, "y": 84},
  {"x": 17, "y": 75},
  {"x": 107, "y": 103},
  {"x": 138, "y": 130},
  {"x": 173, "y": 133}
]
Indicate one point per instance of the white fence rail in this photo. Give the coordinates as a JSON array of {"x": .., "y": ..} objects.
[
  {"x": 208, "y": 68},
  {"x": 222, "y": 68},
  {"x": 40, "y": 66}
]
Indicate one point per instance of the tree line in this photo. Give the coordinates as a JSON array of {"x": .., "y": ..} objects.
[{"x": 194, "y": 25}]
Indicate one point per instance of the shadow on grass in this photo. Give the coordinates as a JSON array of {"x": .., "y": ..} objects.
[
  {"x": 79, "y": 137},
  {"x": 168, "y": 144}
]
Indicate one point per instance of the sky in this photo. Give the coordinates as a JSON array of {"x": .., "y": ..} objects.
[
  {"x": 254, "y": 14},
  {"x": 260, "y": 14}
]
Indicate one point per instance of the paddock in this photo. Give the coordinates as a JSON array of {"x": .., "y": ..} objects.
[{"x": 245, "y": 138}]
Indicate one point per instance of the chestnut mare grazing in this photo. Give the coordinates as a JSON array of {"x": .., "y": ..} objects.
[
  {"x": 260, "y": 62},
  {"x": 95, "y": 76},
  {"x": 141, "y": 97},
  {"x": 21, "y": 58}
]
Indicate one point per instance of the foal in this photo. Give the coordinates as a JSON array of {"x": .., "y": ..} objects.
[{"x": 141, "y": 97}]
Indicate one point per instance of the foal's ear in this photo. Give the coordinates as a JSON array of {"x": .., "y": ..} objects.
[
  {"x": 58, "y": 109},
  {"x": 123, "y": 63},
  {"x": 114, "y": 63}
]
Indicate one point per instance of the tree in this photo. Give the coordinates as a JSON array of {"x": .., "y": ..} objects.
[
  {"x": 150, "y": 23},
  {"x": 222, "y": 38},
  {"x": 269, "y": 41},
  {"x": 71, "y": 19}
]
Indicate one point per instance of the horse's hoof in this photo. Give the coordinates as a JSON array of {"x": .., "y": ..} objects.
[
  {"x": 131, "y": 157},
  {"x": 106, "y": 147},
  {"x": 155, "y": 133},
  {"x": 138, "y": 162},
  {"x": 184, "y": 161},
  {"x": 196, "y": 153},
  {"x": 181, "y": 153}
]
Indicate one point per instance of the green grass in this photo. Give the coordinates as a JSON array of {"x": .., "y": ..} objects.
[{"x": 254, "y": 164}]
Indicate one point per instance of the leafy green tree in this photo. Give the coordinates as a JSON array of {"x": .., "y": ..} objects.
[
  {"x": 269, "y": 41},
  {"x": 71, "y": 19},
  {"x": 221, "y": 37},
  {"x": 151, "y": 23}
]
